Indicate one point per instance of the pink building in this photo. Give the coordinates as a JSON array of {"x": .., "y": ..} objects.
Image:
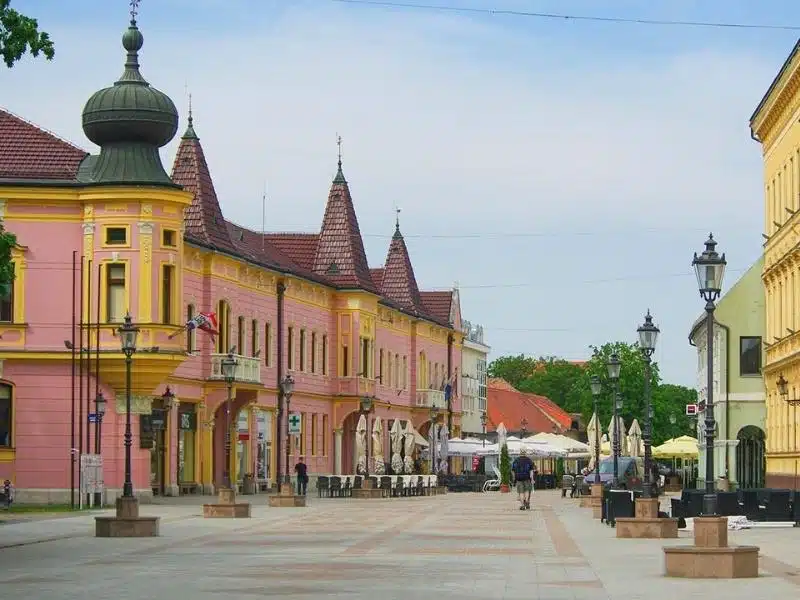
[{"x": 101, "y": 236}]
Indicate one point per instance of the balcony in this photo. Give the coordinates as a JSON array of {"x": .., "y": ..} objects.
[
  {"x": 248, "y": 369},
  {"x": 429, "y": 398},
  {"x": 356, "y": 386}
]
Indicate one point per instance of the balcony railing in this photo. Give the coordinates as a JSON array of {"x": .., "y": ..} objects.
[
  {"x": 356, "y": 386},
  {"x": 248, "y": 369},
  {"x": 429, "y": 398}
]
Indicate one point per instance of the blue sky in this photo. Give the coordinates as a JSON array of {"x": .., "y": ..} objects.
[{"x": 562, "y": 172}]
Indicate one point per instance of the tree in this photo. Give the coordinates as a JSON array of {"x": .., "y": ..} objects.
[
  {"x": 671, "y": 400},
  {"x": 559, "y": 380},
  {"x": 514, "y": 369},
  {"x": 20, "y": 35},
  {"x": 505, "y": 466}
]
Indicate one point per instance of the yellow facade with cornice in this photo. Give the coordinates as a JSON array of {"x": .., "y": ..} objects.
[{"x": 775, "y": 125}]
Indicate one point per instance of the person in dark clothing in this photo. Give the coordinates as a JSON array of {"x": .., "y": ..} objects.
[
  {"x": 523, "y": 474},
  {"x": 302, "y": 477}
]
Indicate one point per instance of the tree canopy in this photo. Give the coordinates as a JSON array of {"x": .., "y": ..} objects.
[
  {"x": 568, "y": 385},
  {"x": 20, "y": 35}
]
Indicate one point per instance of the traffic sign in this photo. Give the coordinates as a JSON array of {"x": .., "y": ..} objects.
[
  {"x": 92, "y": 417},
  {"x": 295, "y": 424},
  {"x": 691, "y": 410}
]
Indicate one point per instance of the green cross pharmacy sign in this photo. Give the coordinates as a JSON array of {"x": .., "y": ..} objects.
[{"x": 295, "y": 424}]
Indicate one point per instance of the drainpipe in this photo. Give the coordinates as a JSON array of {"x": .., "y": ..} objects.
[
  {"x": 452, "y": 386},
  {"x": 280, "y": 289}
]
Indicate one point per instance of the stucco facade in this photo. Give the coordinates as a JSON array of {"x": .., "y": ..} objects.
[
  {"x": 739, "y": 399},
  {"x": 301, "y": 304},
  {"x": 775, "y": 124},
  {"x": 474, "y": 361}
]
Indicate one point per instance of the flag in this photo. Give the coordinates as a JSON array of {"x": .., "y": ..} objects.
[{"x": 206, "y": 322}]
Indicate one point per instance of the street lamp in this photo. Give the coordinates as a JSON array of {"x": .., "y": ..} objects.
[
  {"x": 287, "y": 389},
  {"x": 366, "y": 408},
  {"x": 710, "y": 269},
  {"x": 484, "y": 420},
  {"x": 434, "y": 414},
  {"x": 99, "y": 411},
  {"x": 128, "y": 333},
  {"x": 523, "y": 425},
  {"x": 597, "y": 389},
  {"x": 614, "y": 366},
  {"x": 648, "y": 336},
  {"x": 228, "y": 365}
]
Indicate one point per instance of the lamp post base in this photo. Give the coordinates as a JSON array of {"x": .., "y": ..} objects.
[
  {"x": 597, "y": 500},
  {"x": 227, "y": 507},
  {"x": 127, "y": 522},
  {"x": 711, "y": 557},
  {"x": 287, "y": 498}
]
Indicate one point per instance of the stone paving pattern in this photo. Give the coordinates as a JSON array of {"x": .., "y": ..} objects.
[{"x": 470, "y": 546}]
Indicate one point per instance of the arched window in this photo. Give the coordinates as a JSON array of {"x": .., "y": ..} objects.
[
  {"x": 224, "y": 324},
  {"x": 242, "y": 332},
  {"x": 6, "y": 415},
  {"x": 191, "y": 334}
]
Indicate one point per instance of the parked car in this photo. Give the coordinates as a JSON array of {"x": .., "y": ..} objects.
[{"x": 630, "y": 471}]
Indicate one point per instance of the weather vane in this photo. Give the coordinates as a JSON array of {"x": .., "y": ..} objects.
[
  {"x": 397, "y": 210},
  {"x": 339, "y": 145},
  {"x": 134, "y": 9}
]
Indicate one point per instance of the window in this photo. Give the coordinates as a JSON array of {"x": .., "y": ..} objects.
[
  {"x": 167, "y": 293},
  {"x": 749, "y": 356},
  {"x": 115, "y": 293},
  {"x": 6, "y": 416},
  {"x": 303, "y": 423},
  {"x": 365, "y": 362},
  {"x": 324, "y": 354},
  {"x": 303, "y": 350},
  {"x": 396, "y": 372},
  {"x": 405, "y": 372},
  {"x": 268, "y": 344},
  {"x": 313, "y": 352},
  {"x": 482, "y": 383},
  {"x": 345, "y": 361},
  {"x": 116, "y": 236},
  {"x": 324, "y": 446},
  {"x": 191, "y": 334},
  {"x": 254, "y": 349},
  {"x": 388, "y": 381},
  {"x": 169, "y": 238},
  {"x": 290, "y": 348},
  {"x": 224, "y": 325},
  {"x": 7, "y": 302},
  {"x": 381, "y": 370},
  {"x": 241, "y": 332},
  {"x": 313, "y": 435}
]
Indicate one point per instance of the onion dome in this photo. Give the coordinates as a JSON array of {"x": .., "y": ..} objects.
[{"x": 130, "y": 121}]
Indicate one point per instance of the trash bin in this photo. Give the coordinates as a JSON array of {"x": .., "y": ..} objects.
[{"x": 248, "y": 485}]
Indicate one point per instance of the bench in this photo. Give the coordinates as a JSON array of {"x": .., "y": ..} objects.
[{"x": 188, "y": 487}]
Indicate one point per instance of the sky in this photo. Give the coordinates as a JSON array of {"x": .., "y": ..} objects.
[{"x": 561, "y": 172}]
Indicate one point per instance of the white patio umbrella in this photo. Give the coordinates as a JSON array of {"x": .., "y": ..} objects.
[
  {"x": 396, "y": 439},
  {"x": 378, "y": 467},
  {"x": 623, "y": 439},
  {"x": 593, "y": 433},
  {"x": 443, "y": 435},
  {"x": 502, "y": 433},
  {"x": 634, "y": 438},
  {"x": 409, "y": 440},
  {"x": 361, "y": 444}
]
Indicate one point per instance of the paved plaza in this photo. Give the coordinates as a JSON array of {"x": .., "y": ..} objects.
[{"x": 471, "y": 546}]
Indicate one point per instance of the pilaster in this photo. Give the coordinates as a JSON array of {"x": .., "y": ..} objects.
[
  {"x": 337, "y": 451},
  {"x": 145, "y": 271}
]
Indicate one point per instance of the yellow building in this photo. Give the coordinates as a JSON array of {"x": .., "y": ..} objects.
[{"x": 775, "y": 126}]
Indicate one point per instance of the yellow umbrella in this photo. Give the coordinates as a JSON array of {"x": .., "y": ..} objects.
[{"x": 681, "y": 447}]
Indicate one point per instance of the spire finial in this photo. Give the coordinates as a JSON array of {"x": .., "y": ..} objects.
[
  {"x": 134, "y": 10},
  {"x": 339, "y": 146},
  {"x": 190, "y": 109},
  {"x": 397, "y": 211}
]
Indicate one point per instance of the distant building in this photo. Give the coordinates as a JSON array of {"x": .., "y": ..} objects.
[
  {"x": 474, "y": 360},
  {"x": 521, "y": 413}
]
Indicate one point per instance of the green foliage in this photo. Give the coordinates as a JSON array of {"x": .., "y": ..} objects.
[
  {"x": 7, "y": 242},
  {"x": 505, "y": 466},
  {"x": 20, "y": 35},
  {"x": 514, "y": 369},
  {"x": 567, "y": 384}
]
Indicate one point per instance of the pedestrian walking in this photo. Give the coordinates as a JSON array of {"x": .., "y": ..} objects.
[
  {"x": 523, "y": 473},
  {"x": 302, "y": 477}
]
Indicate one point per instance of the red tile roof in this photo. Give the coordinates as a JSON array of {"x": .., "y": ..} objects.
[
  {"x": 204, "y": 221},
  {"x": 29, "y": 152},
  {"x": 377, "y": 277},
  {"x": 438, "y": 304},
  {"x": 300, "y": 247},
  {"x": 506, "y": 405},
  {"x": 340, "y": 253},
  {"x": 398, "y": 282}
]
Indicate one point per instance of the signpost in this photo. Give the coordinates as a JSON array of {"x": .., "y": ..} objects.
[
  {"x": 91, "y": 475},
  {"x": 295, "y": 424},
  {"x": 691, "y": 410}
]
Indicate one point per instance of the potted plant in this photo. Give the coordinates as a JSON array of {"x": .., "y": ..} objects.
[{"x": 505, "y": 470}]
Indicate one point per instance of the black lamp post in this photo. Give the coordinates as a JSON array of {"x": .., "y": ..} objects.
[
  {"x": 366, "y": 409},
  {"x": 484, "y": 420},
  {"x": 597, "y": 389},
  {"x": 523, "y": 426},
  {"x": 128, "y": 333},
  {"x": 99, "y": 411},
  {"x": 434, "y": 418},
  {"x": 228, "y": 364},
  {"x": 648, "y": 336},
  {"x": 287, "y": 389},
  {"x": 710, "y": 269},
  {"x": 614, "y": 366}
]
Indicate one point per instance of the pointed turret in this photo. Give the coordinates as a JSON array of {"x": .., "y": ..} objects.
[
  {"x": 204, "y": 221},
  {"x": 340, "y": 252},
  {"x": 398, "y": 283}
]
